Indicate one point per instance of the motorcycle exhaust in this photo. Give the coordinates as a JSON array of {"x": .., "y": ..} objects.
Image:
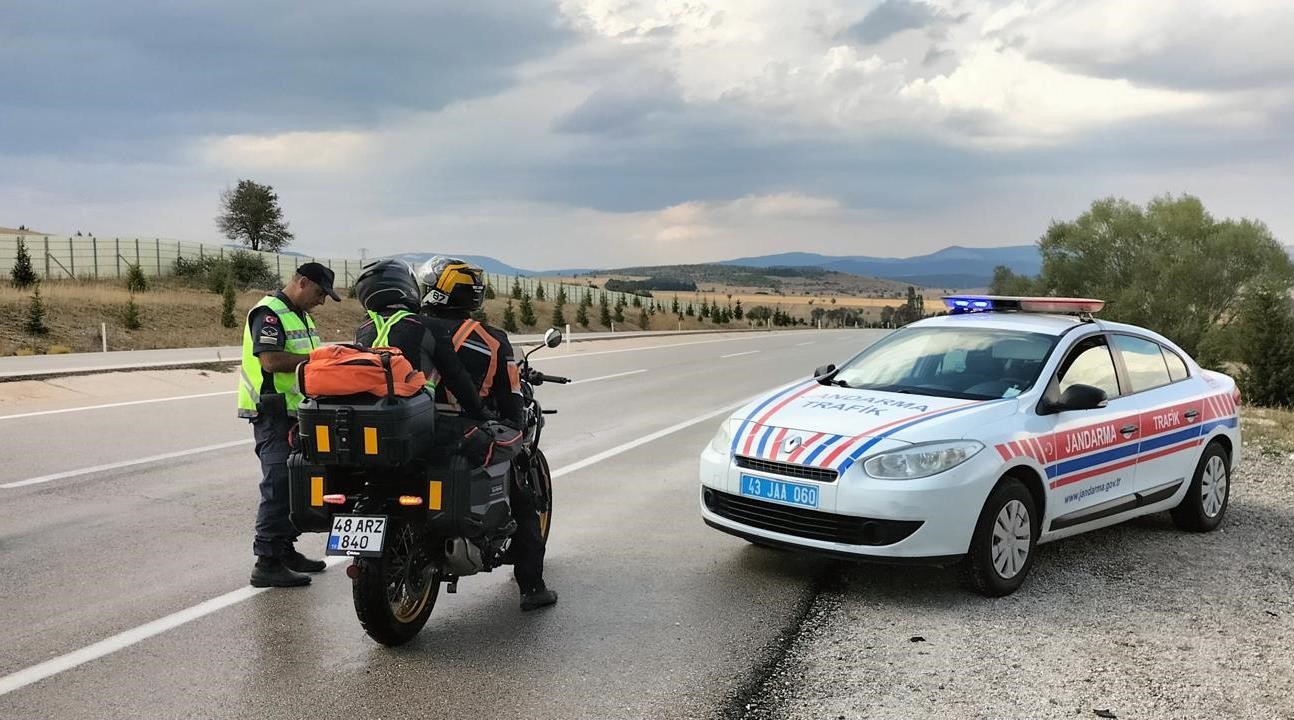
[{"x": 462, "y": 557}]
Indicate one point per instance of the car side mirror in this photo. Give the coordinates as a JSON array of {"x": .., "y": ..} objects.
[
  {"x": 553, "y": 337},
  {"x": 824, "y": 372},
  {"x": 1080, "y": 397}
]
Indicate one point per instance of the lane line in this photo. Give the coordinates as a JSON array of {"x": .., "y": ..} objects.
[
  {"x": 748, "y": 352},
  {"x": 125, "y": 639},
  {"x": 750, "y": 336},
  {"x": 124, "y": 463},
  {"x": 116, "y": 404},
  {"x": 805, "y": 343},
  {"x": 605, "y": 377}
]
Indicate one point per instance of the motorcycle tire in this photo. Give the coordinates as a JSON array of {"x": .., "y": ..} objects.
[
  {"x": 394, "y": 594},
  {"x": 543, "y": 493}
]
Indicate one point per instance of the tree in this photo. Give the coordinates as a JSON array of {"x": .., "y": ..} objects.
[
  {"x": 135, "y": 280},
  {"x": 251, "y": 215},
  {"x": 131, "y": 317},
  {"x": 1169, "y": 266},
  {"x": 643, "y": 321},
  {"x": 559, "y": 318},
  {"x": 674, "y": 307},
  {"x": 509, "y": 317},
  {"x": 736, "y": 310},
  {"x": 35, "y": 323},
  {"x": 527, "y": 312},
  {"x": 481, "y": 316},
  {"x": 582, "y": 315},
  {"x": 23, "y": 274},
  {"x": 619, "y": 314},
  {"x": 604, "y": 311},
  {"x": 516, "y": 288},
  {"x": 1265, "y": 335},
  {"x": 227, "y": 318},
  {"x": 1006, "y": 282},
  {"x": 539, "y": 291},
  {"x": 489, "y": 291}
]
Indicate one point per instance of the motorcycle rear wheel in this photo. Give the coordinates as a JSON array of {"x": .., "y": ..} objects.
[{"x": 394, "y": 594}]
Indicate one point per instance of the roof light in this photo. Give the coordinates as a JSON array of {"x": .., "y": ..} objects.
[{"x": 981, "y": 303}]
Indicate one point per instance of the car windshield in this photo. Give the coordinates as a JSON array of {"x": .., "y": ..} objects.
[{"x": 971, "y": 363}]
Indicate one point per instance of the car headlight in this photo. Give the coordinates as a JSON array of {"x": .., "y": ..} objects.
[
  {"x": 722, "y": 440},
  {"x": 921, "y": 461}
]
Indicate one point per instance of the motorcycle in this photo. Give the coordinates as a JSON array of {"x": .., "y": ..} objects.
[{"x": 413, "y": 528}]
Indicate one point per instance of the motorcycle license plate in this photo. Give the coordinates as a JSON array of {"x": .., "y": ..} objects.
[{"x": 357, "y": 535}]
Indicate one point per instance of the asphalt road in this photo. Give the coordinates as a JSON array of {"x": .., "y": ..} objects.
[{"x": 125, "y": 594}]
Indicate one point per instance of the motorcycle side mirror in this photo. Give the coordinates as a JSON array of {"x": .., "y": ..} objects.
[{"x": 553, "y": 337}]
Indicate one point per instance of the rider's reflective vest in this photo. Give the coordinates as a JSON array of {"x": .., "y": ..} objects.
[{"x": 301, "y": 339}]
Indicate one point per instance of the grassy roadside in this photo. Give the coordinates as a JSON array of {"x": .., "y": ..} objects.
[
  {"x": 1269, "y": 431},
  {"x": 173, "y": 316}
]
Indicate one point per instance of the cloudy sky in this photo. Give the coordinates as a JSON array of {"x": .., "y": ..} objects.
[{"x": 616, "y": 132}]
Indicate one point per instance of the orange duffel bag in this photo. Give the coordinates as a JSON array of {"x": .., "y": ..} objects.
[{"x": 342, "y": 370}]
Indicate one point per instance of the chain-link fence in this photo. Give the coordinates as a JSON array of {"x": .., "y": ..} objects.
[{"x": 95, "y": 258}]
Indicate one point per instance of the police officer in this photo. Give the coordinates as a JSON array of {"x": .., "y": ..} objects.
[
  {"x": 278, "y": 337},
  {"x": 453, "y": 290},
  {"x": 389, "y": 291}
]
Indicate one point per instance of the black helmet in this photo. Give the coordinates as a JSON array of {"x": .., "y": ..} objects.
[
  {"x": 452, "y": 284},
  {"x": 387, "y": 283}
]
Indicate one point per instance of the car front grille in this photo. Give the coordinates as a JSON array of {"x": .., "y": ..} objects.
[
  {"x": 809, "y": 524},
  {"x": 787, "y": 469}
]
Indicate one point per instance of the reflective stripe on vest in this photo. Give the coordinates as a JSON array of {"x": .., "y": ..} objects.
[
  {"x": 466, "y": 330},
  {"x": 301, "y": 338},
  {"x": 383, "y": 327}
]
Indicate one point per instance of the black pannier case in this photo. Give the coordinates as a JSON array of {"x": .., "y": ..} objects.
[{"x": 364, "y": 431}]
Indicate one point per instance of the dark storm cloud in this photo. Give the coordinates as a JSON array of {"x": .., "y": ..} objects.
[
  {"x": 81, "y": 77},
  {"x": 890, "y": 18}
]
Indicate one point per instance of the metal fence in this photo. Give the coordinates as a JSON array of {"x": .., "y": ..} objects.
[{"x": 95, "y": 258}]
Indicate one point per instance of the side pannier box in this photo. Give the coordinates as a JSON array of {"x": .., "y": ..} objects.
[
  {"x": 307, "y": 485},
  {"x": 353, "y": 432}
]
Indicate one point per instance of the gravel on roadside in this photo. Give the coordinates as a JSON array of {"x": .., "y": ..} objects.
[{"x": 1139, "y": 620}]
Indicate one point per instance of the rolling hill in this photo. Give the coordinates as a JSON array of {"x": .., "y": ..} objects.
[{"x": 952, "y": 267}]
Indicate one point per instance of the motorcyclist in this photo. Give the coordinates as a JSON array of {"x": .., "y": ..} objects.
[
  {"x": 389, "y": 292},
  {"x": 452, "y": 291}
]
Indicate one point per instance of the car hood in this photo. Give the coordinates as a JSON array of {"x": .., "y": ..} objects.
[{"x": 842, "y": 420}]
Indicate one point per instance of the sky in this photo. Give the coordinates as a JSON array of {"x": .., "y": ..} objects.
[{"x": 605, "y": 133}]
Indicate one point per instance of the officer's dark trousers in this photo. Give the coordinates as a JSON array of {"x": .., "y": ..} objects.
[{"x": 274, "y": 532}]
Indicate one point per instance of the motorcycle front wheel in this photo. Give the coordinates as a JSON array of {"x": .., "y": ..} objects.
[{"x": 395, "y": 593}]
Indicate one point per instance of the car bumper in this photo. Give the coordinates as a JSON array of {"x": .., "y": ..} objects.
[{"x": 925, "y": 520}]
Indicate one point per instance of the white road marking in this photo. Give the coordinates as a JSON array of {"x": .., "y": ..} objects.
[
  {"x": 124, "y": 463},
  {"x": 805, "y": 343},
  {"x": 605, "y": 377},
  {"x": 118, "y": 404},
  {"x": 748, "y": 352},
  {"x": 125, "y": 639},
  {"x": 748, "y": 336}
]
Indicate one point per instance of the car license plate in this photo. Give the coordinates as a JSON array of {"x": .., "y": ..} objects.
[
  {"x": 357, "y": 535},
  {"x": 779, "y": 491}
]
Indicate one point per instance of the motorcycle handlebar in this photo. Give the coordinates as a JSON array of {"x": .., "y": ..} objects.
[{"x": 537, "y": 377}]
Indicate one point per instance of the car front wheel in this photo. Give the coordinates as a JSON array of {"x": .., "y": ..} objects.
[
  {"x": 1205, "y": 502},
  {"x": 1002, "y": 547}
]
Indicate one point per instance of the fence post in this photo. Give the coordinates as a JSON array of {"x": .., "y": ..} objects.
[
  {"x": 46, "y": 257},
  {"x": 278, "y": 266},
  {"x": 157, "y": 244},
  {"x": 94, "y": 244},
  {"x": 201, "y": 257},
  {"x": 117, "y": 254},
  {"x": 137, "y": 253},
  {"x": 71, "y": 256}
]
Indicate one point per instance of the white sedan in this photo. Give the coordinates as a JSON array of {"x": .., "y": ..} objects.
[{"x": 972, "y": 437}]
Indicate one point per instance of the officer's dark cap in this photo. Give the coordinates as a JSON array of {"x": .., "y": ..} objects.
[{"x": 321, "y": 275}]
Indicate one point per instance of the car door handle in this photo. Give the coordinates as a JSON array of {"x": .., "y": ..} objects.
[
  {"x": 1191, "y": 414},
  {"x": 1128, "y": 429}
]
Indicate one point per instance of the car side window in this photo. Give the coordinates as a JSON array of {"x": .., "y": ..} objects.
[
  {"x": 1144, "y": 361},
  {"x": 1176, "y": 365},
  {"x": 1089, "y": 363}
]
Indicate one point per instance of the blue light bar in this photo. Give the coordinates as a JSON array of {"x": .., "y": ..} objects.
[{"x": 959, "y": 304}]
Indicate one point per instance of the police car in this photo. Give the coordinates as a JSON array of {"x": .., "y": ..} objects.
[{"x": 972, "y": 437}]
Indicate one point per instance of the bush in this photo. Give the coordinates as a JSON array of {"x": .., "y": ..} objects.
[
  {"x": 509, "y": 318},
  {"x": 252, "y": 271},
  {"x": 131, "y": 317},
  {"x": 135, "y": 280},
  {"x": 227, "y": 318},
  {"x": 246, "y": 269},
  {"x": 23, "y": 274},
  {"x": 35, "y": 323},
  {"x": 528, "y": 312}
]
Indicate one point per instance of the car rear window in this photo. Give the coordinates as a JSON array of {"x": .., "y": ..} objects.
[{"x": 1144, "y": 361}]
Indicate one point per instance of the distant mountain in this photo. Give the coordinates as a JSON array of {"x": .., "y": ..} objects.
[
  {"x": 488, "y": 264},
  {"x": 952, "y": 267}
]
